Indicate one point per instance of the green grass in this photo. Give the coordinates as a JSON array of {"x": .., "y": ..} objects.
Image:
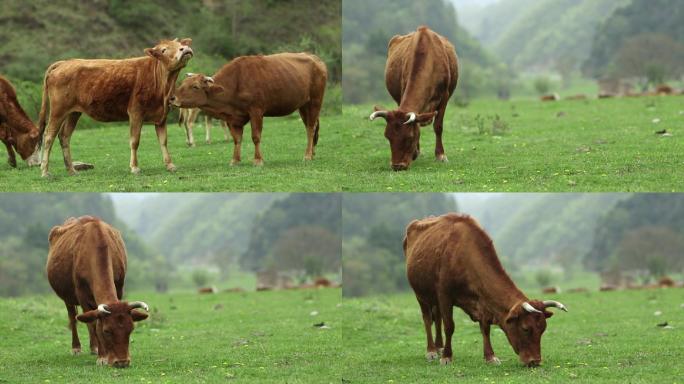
[
  {"x": 596, "y": 145},
  {"x": 203, "y": 168},
  {"x": 605, "y": 337},
  {"x": 257, "y": 337}
]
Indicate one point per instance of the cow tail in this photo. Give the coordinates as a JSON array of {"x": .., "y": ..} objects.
[
  {"x": 42, "y": 118},
  {"x": 318, "y": 125}
]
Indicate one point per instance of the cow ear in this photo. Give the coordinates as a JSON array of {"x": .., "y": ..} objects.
[
  {"x": 153, "y": 52},
  {"x": 548, "y": 314},
  {"x": 513, "y": 314},
  {"x": 215, "y": 89},
  {"x": 425, "y": 118},
  {"x": 186, "y": 41},
  {"x": 378, "y": 108},
  {"x": 88, "y": 317},
  {"x": 138, "y": 316}
]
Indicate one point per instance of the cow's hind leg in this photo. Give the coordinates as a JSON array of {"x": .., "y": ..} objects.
[
  {"x": 225, "y": 130},
  {"x": 488, "y": 351},
  {"x": 65, "y": 139},
  {"x": 437, "y": 318},
  {"x": 236, "y": 131},
  {"x": 75, "y": 342},
  {"x": 189, "y": 139},
  {"x": 54, "y": 125},
  {"x": 257, "y": 121},
  {"x": 431, "y": 352},
  {"x": 446, "y": 307},
  {"x": 309, "y": 114},
  {"x": 161, "y": 137},
  {"x": 438, "y": 127},
  {"x": 207, "y": 129}
]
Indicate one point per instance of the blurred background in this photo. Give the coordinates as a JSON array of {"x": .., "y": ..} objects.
[
  {"x": 39, "y": 32},
  {"x": 184, "y": 241},
  {"x": 561, "y": 241},
  {"x": 524, "y": 48}
]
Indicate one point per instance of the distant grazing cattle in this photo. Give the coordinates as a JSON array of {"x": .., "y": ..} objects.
[
  {"x": 450, "y": 261},
  {"x": 577, "y": 97},
  {"x": 664, "y": 89},
  {"x": 551, "y": 290},
  {"x": 551, "y": 97},
  {"x": 187, "y": 118},
  {"x": 206, "y": 290},
  {"x": 666, "y": 282},
  {"x": 16, "y": 129},
  {"x": 322, "y": 282},
  {"x": 607, "y": 288},
  {"x": 134, "y": 90},
  {"x": 251, "y": 87},
  {"x": 86, "y": 266},
  {"x": 578, "y": 290},
  {"x": 235, "y": 290},
  {"x": 421, "y": 75},
  {"x": 606, "y": 96}
]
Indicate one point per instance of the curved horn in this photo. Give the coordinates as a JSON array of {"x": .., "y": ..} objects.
[
  {"x": 411, "y": 119},
  {"x": 553, "y": 303},
  {"x": 138, "y": 304},
  {"x": 529, "y": 308},
  {"x": 209, "y": 79},
  {"x": 189, "y": 74},
  {"x": 102, "y": 308},
  {"x": 377, "y": 114}
]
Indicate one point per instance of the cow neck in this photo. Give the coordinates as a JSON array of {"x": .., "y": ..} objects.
[
  {"x": 19, "y": 121},
  {"x": 164, "y": 80},
  {"x": 499, "y": 291}
]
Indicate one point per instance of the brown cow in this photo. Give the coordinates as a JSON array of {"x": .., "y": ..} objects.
[
  {"x": 187, "y": 118},
  {"x": 16, "y": 129},
  {"x": 551, "y": 97},
  {"x": 450, "y": 261},
  {"x": 421, "y": 74},
  {"x": 134, "y": 90},
  {"x": 86, "y": 266},
  {"x": 251, "y": 87}
]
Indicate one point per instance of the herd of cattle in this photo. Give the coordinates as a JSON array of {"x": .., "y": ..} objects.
[
  {"x": 661, "y": 90},
  {"x": 140, "y": 90}
]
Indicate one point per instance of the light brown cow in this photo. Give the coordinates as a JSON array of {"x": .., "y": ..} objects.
[
  {"x": 187, "y": 118},
  {"x": 134, "y": 90},
  {"x": 550, "y": 97},
  {"x": 16, "y": 129},
  {"x": 86, "y": 266},
  {"x": 421, "y": 75},
  {"x": 251, "y": 87},
  {"x": 450, "y": 261}
]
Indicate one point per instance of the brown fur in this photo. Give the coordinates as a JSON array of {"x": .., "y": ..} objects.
[
  {"x": 322, "y": 282},
  {"x": 134, "y": 90},
  {"x": 450, "y": 261},
  {"x": 421, "y": 74},
  {"x": 552, "y": 97},
  {"x": 664, "y": 89},
  {"x": 86, "y": 266},
  {"x": 551, "y": 290},
  {"x": 251, "y": 87},
  {"x": 666, "y": 282},
  {"x": 17, "y": 131}
]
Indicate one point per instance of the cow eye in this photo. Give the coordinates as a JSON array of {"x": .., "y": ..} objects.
[
  {"x": 163, "y": 50},
  {"x": 195, "y": 87}
]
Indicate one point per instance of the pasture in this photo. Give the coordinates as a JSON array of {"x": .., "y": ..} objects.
[
  {"x": 252, "y": 337},
  {"x": 605, "y": 337}
]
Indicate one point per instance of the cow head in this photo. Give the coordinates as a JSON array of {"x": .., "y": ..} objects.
[
  {"x": 19, "y": 131},
  {"x": 195, "y": 91},
  {"x": 172, "y": 54},
  {"x": 113, "y": 326},
  {"x": 403, "y": 132},
  {"x": 524, "y": 326}
]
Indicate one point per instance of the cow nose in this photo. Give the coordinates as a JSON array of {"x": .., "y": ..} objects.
[
  {"x": 399, "y": 167},
  {"x": 121, "y": 364},
  {"x": 533, "y": 363}
]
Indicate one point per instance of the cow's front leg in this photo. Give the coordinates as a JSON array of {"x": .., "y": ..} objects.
[
  {"x": 136, "y": 127},
  {"x": 11, "y": 157},
  {"x": 236, "y": 132},
  {"x": 438, "y": 127},
  {"x": 257, "y": 120},
  {"x": 161, "y": 136},
  {"x": 75, "y": 342},
  {"x": 488, "y": 351}
]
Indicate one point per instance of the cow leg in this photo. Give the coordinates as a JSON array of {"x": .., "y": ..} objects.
[
  {"x": 438, "y": 125},
  {"x": 437, "y": 317},
  {"x": 65, "y": 138},
  {"x": 161, "y": 136},
  {"x": 54, "y": 124},
  {"x": 207, "y": 129},
  {"x": 257, "y": 121},
  {"x": 309, "y": 114},
  {"x": 488, "y": 351},
  {"x": 75, "y": 342},
  {"x": 446, "y": 307},
  {"x": 94, "y": 341},
  {"x": 236, "y": 132},
  {"x": 134, "y": 140},
  {"x": 225, "y": 130},
  {"x": 11, "y": 157},
  {"x": 189, "y": 139},
  {"x": 431, "y": 353}
]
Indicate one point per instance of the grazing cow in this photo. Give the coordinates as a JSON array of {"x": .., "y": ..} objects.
[
  {"x": 578, "y": 290},
  {"x": 664, "y": 89},
  {"x": 551, "y": 290},
  {"x": 251, "y": 87},
  {"x": 551, "y": 97},
  {"x": 608, "y": 288},
  {"x": 187, "y": 117},
  {"x": 16, "y": 129},
  {"x": 450, "y": 261},
  {"x": 577, "y": 97},
  {"x": 207, "y": 290},
  {"x": 666, "y": 282},
  {"x": 421, "y": 74},
  {"x": 86, "y": 266},
  {"x": 134, "y": 90},
  {"x": 322, "y": 282}
]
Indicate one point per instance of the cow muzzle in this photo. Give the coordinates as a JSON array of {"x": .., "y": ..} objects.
[
  {"x": 174, "y": 101},
  {"x": 121, "y": 363},
  {"x": 531, "y": 363},
  {"x": 399, "y": 167}
]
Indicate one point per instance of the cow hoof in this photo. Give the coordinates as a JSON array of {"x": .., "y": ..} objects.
[
  {"x": 135, "y": 170},
  {"x": 190, "y": 144},
  {"x": 308, "y": 158},
  {"x": 208, "y": 141},
  {"x": 432, "y": 355},
  {"x": 445, "y": 360},
  {"x": 12, "y": 163},
  {"x": 442, "y": 158},
  {"x": 73, "y": 172},
  {"x": 234, "y": 162},
  {"x": 101, "y": 361},
  {"x": 494, "y": 361},
  {"x": 46, "y": 175},
  {"x": 171, "y": 168},
  {"x": 93, "y": 351},
  {"x": 258, "y": 162},
  {"x": 76, "y": 351}
]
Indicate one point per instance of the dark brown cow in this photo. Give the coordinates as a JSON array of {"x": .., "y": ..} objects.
[
  {"x": 134, "y": 90},
  {"x": 86, "y": 266},
  {"x": 551, "y": 97},
  {"x": 16, "y": 129},
  {"x": 251, "y": 87},
  {"x": 421, "y": 75},
  {"x": 450, "y": 261}
]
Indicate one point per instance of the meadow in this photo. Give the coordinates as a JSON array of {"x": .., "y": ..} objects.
[
  {"x": 605, "y": 337},
  {"x": 251, "y": 337},
  {"x": 503, "y": 146}
]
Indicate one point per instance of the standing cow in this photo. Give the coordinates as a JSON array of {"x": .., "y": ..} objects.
[
  {"x": 251, "y": 87},
  {"x": 134, "y": 90},
  {"x": 450, "y": 261},
  {"x": 187, "y": 118},
  {"x": 421, "y": 75},
  {"x": 16, "y": 129},
  {"x": 86, "y": 266}
]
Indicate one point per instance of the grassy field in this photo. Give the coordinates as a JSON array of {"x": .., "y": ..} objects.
[
  {"x": 605, "y": 337},
  {"x": 255, "y": 337}
]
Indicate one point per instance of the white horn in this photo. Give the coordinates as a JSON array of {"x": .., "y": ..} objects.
[
  {"x": 526, "y": 306},
  {"x": 102, "y": 308},
  {"x": 553, "y": 303},
  {"x": 189, "y": 74},
  {"x": 411, "y": 119},
  {"x": 139, "y": 304},
  {"x": 377, "y": 114},
  {"x": 209, "y": 79}
]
